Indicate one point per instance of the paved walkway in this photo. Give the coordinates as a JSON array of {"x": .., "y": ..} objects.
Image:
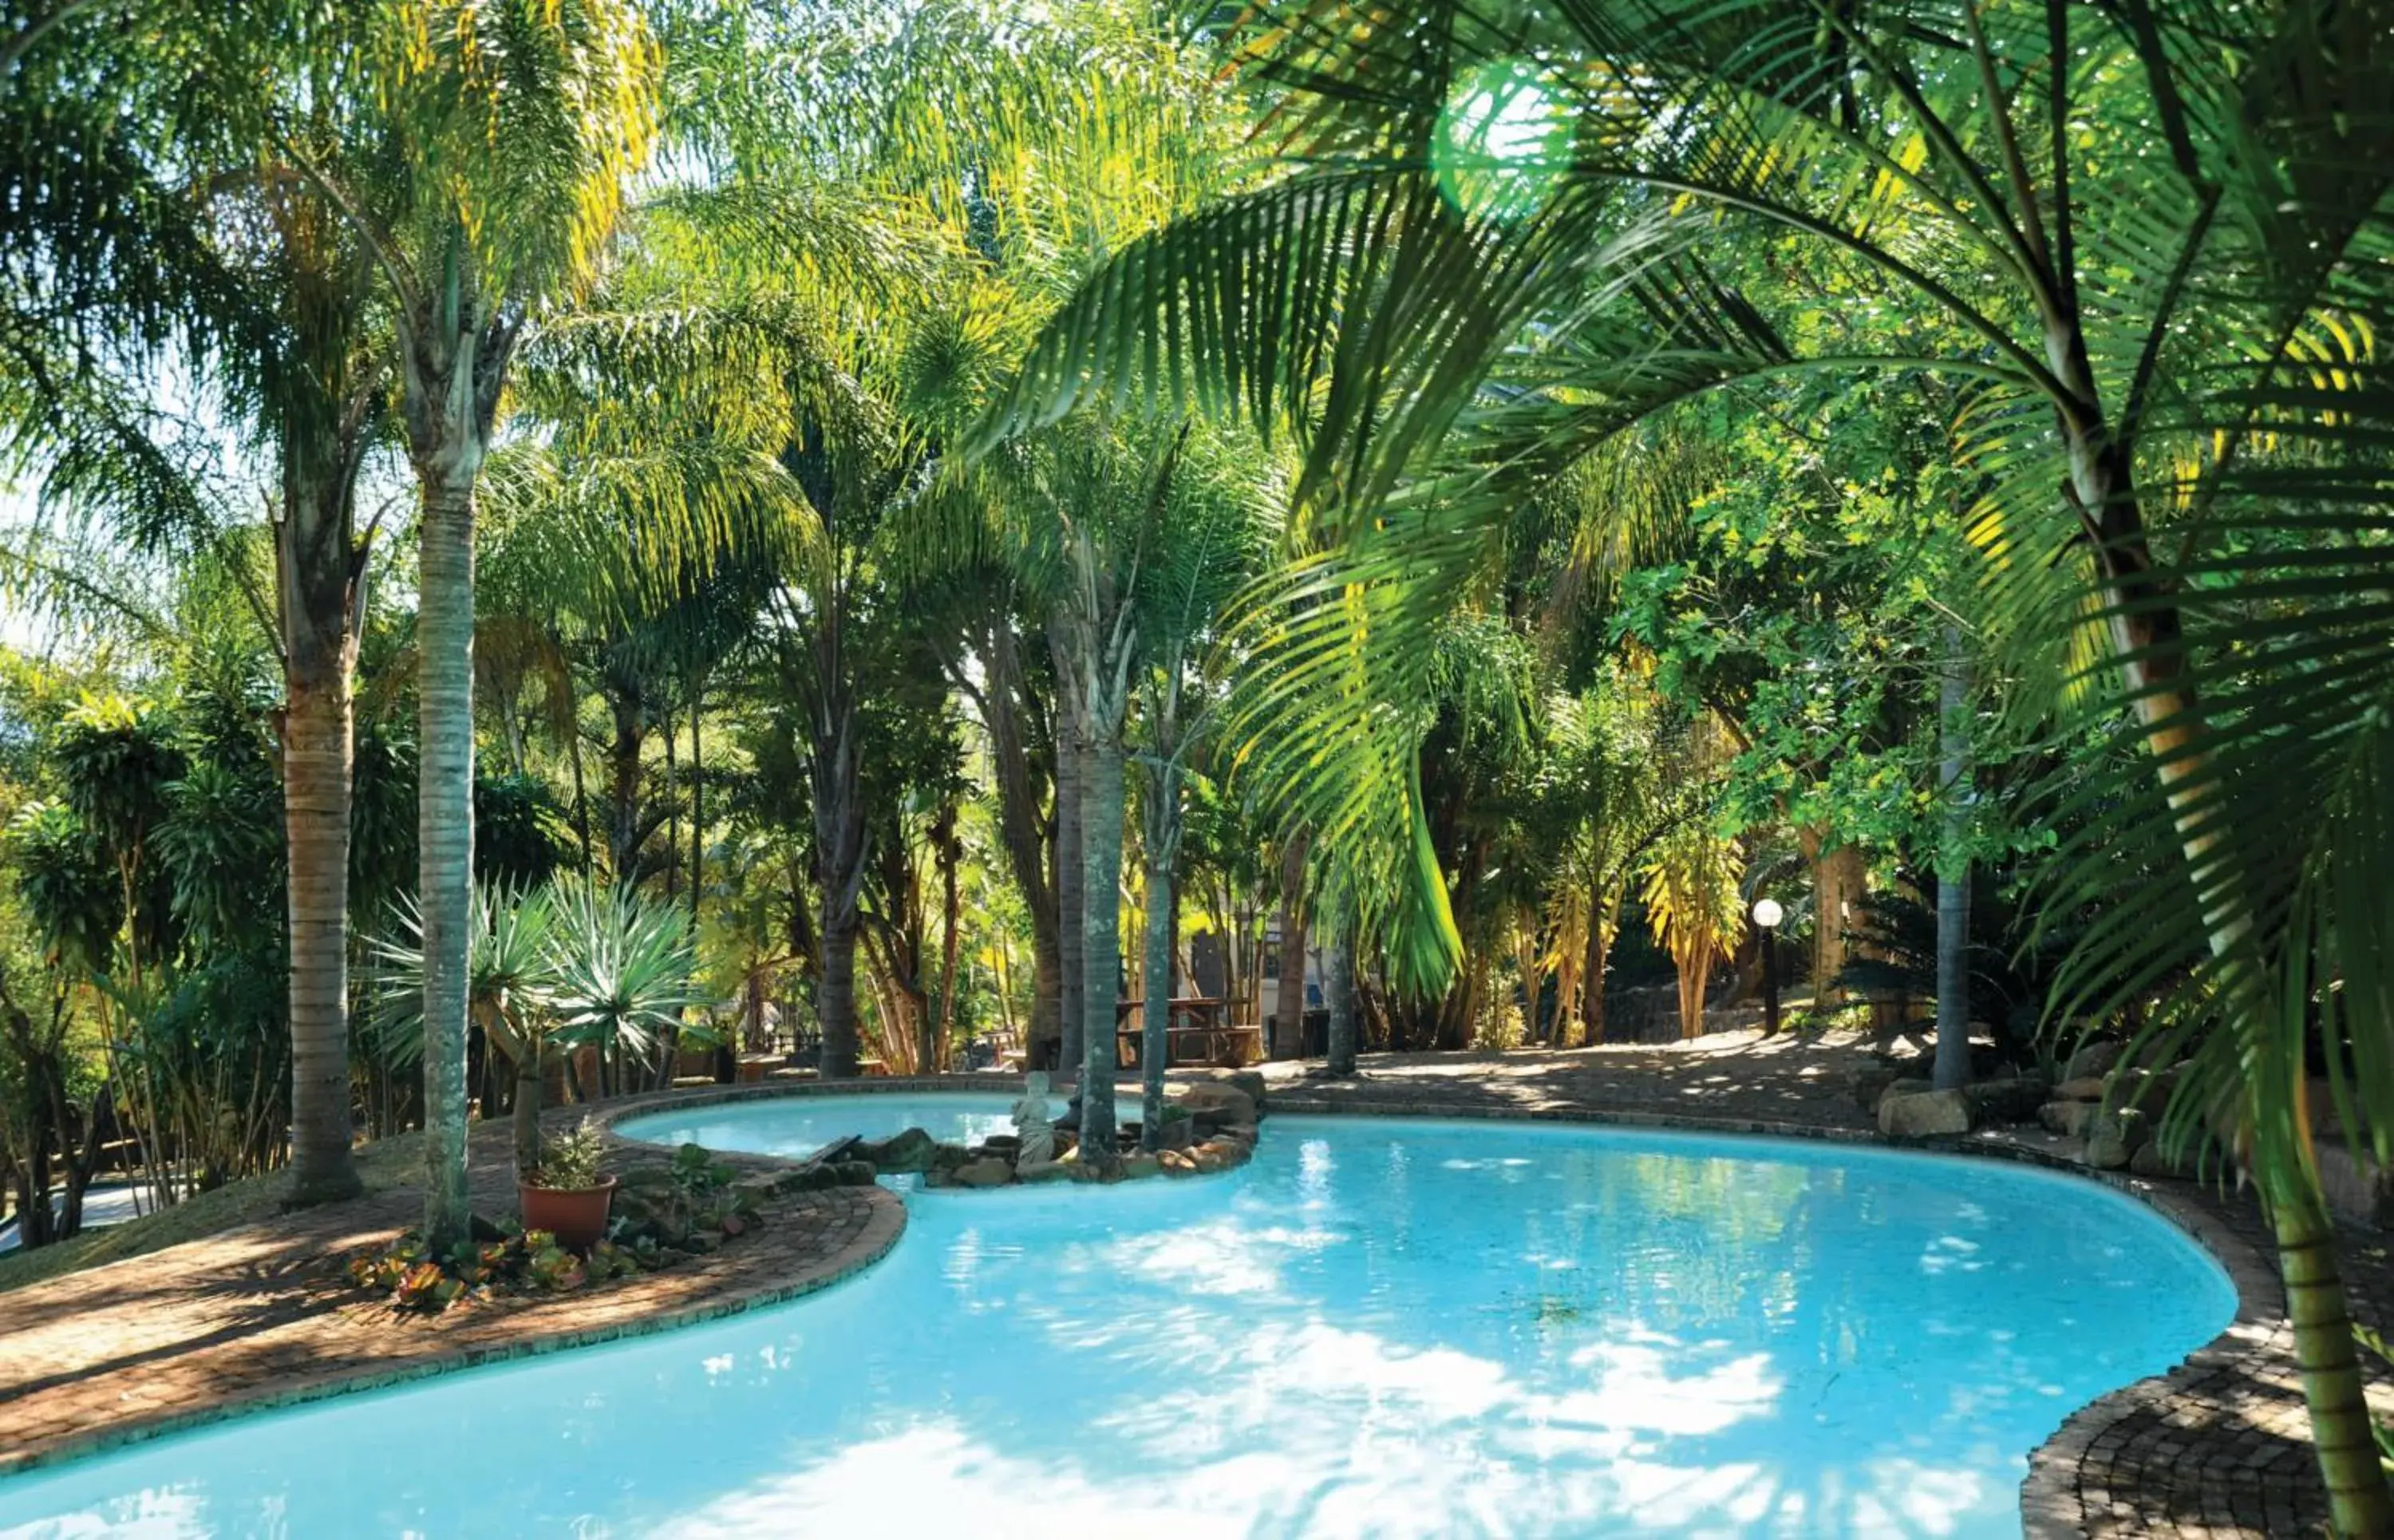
[
  {"x": 262, "y": 1315},
  {"x": 266, "y": 1315}
]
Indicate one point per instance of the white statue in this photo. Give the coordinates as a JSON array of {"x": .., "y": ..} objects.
[{"x": 1030, "y": 1122}]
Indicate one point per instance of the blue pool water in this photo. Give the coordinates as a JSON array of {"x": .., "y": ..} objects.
[{"x": 1378, "y": 1328}]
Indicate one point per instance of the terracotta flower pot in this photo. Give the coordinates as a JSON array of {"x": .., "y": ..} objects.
[{"x": 576, "y": 1216}]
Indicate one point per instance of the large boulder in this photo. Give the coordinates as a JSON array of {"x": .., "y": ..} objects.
[
  {"x": 909, "y": 1150},
  {"x": 1903, "y": 1085},
  {"x": 1216, "y": 1104},
  {"x": 1248, "y": 1081},
  {"x": 988, "y": 1171},
  {"x": 2067, "y": 1118},
  {"x": 1041, "y": 1171},
  {"x": 1924, "y": 1114},
  {"x": 2092, "y": 1061},
  {"x": 2086, "y": 1089},
  {"x": 2009, "y": 1100},
  {"x": 2112, "y": 1139},
  {"x": 1135, "y": 1167}
]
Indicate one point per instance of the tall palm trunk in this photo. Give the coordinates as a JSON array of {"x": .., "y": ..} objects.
[
  {"x": 1602, "y": 916},
  {"x": 1025, "y": 832},
  {"x": 1101, "y": 825},
  {"x": 1288, "y": 996},
  {"x": 836, "y": 996},
  {"x": 455, "y": 354},
  {"x": 1072, "y": 942},
  {"x": 1155, "y": 1012},
  {"x": 444, "y": 835},
  {"x": 316, "y": 763},
  {"x": 839, "y": 879},
  {"x": 1954, "y": 878},
  {"x": 2145, "y": 631},
  {"x": 1839, "y": 881},
  {"x": 1342, "y": 1001}
]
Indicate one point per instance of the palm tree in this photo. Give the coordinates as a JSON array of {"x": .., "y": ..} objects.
[
  {"x": 286, "y": 323},
  {"x": 2146, "y": 242},
  {"x": 516, "y": 127}
]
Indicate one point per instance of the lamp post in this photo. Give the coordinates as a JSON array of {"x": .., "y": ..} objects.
[{"x": 1766, "y": 916}]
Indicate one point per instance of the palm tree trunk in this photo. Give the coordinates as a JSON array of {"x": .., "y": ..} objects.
[
  {"x": 835, "y": 997},
  {"x": 1288, "y": 996},
  {"x": 1155, "y": 1013},
  {"x": 527, "y": 1112},
  {"x": 1342, "y": 1002},
  {"x": 1071, "y": 936},
  {"x": 1954, "y": 878},
  {"x": 1591, "y": 971},
  {"x": 2341, "y": 1430},
  {"x": 445, "y": 840},
  {"x": 317, "y": 750},
  {"x": 2145, "y": 630},
  {"x": 1101, "y": 822}
]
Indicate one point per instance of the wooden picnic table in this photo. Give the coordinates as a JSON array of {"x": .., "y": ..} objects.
[{"x": 1197, "y": 1033}]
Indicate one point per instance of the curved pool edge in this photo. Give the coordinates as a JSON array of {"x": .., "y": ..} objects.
[{"x": 2055, "y": 1504}]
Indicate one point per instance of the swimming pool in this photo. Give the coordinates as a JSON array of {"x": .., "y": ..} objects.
[{"x": 1377, "y": 1327}]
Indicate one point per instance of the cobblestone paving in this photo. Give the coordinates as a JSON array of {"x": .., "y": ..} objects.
[{"x": 265, "y": 1315}]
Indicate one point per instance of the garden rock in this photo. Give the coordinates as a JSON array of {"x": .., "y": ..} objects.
[
  {"x": 1216, "y": 1104},
  {"x": 904, "y": 1151},
  {"x": 2004, "y": 1100},
  {"x": 2067, "y": 1118},
  {"x": 854, "y": 1173},
  {"x": 1042, "y": 1171},
  {"x": 1247, "y": 1081},
  {"x": 2085, "y": 1088},
  {"x": 1904, "y": 1085},
  {"x": 988, "y": 1171},
  {"x": 1924, "y": 1114},
  {"x": 1135, "y": 1167},
  {"x": 2092, "y": 1061},
  {"x": 1177, "y": 1163},
  {"x": 2112, "y": 1139}
]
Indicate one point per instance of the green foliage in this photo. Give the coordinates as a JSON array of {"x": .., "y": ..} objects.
[
  {"x": 572, "y": 1161},
  {"x": 520, "y": 835}
]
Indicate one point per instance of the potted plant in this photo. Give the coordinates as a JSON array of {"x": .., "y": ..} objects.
[{"x": 568, "y": 1196}]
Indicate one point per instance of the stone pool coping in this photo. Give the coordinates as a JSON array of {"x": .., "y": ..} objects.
[{"x": 302, "y": 1357}]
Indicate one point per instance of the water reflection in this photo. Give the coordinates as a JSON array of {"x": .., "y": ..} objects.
[{"x": 1375, "y": 1329}]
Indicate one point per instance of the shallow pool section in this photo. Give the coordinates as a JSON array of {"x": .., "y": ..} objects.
[
  {"x": 1377, "y": 1328},
  {"x": 795, "y": 1127}
]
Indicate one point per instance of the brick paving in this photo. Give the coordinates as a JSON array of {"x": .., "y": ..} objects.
[
  {"x": 2218, "y": 1447},
  {"x": 266, "y": 1315}
]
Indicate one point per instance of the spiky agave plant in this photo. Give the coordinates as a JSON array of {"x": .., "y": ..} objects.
[
  {"x": 510, "y": 982},
  {"x": 620, "y": 970}
]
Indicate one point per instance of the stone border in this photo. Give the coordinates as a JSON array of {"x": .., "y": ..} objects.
[
  {"x": 1241, "y": 1150},
  {"x": 2052, "y": 1506}
]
